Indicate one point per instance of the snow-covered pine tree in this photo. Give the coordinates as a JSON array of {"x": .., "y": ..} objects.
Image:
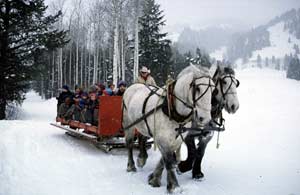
[
  {"x": 155, "y": 50},
  {"x": 24, "y": 30},
  {"x": 258, "y": 60},
  {"x": 293, "y": 71},
  {"x": 267, "y": 62},
  {"x": 202, "y": 58}
]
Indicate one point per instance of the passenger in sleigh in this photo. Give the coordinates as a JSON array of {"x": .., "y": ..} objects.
[
  {"x": 121, "y": 88},
  {"x": 100, "y": 89},
  {"x": 65, "y": 92},
  {"x": 78, "y": 92},
  {"x": 63, "y": 111},
  {"x": 90, "y": 106},
  {"x": 110, "y": 90},
  {"x": 93, "y": 107},
  {"x": 75, "y": 109},
  {"x": 85, "y": 113}
]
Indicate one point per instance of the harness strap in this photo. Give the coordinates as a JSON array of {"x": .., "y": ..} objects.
[
  {"x": 152, "y": 92},
  {"x": 142, "y": 118},
  {"x": 145, "y": 115},
  {"x": 169, "y": 108},
  {"x": 174, "y": 115}
]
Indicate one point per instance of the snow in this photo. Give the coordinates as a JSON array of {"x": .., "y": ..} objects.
[
  {"x": 279, "y": 46},
  {"x": 259, "y": 152},
  {"x": 219, "y": 54},
  {"x": 279, "y": 43}
]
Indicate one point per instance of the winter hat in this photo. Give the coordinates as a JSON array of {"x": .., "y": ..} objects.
[
  {"x": 66, "y": 87},
  {"x": 121, "y": 83},
  {"x": 144, "y": 69},
  {"x": 84, "y": 94}
]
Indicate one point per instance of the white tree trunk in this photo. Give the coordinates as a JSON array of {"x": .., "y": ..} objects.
[
  {"x": 136, "y": 42},
  {"x": 60, "y": 67},
  {"x": 53, "y": 73},
  {"x": 70, "y": 65},
  {"x": 81, "y": 66},
  {"x": 95, "y": 75},
  {"x": 116, "y": 56},
  {"x": 122, "y": 56},
  {"x": 76, "y": 60}
]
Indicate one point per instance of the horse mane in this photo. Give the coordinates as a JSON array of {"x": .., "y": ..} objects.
[
  {"x": 223, "y": 71},
  {"x": 196, "y": 70},
  {"x": 229, "y": 70}
]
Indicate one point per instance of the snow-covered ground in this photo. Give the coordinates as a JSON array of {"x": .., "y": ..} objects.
[{"x": 259, "y": 152}]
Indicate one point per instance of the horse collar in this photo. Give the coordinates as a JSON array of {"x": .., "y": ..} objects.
[{"x": 169, "y": 108}]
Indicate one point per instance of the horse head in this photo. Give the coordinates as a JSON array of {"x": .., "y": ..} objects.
[
  {"x": 225, "y": 91},
  {"x": 193, "y": 90}
]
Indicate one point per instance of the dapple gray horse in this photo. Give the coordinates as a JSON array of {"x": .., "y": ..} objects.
[
  {"x": 192, "y": 98},
  {"x": 224, "y": 96}
]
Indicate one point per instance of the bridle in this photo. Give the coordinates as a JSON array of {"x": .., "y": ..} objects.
[
  {"x": 222, "y": 81},
  {"x": 194, "y": 87}
]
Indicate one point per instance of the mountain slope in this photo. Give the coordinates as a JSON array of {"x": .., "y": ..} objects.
[{"x": 278, "y": 38}]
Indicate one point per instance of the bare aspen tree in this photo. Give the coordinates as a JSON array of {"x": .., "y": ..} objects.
[
  {"x": 136, "y": 39},
  {"x": 116, "y": 55}
]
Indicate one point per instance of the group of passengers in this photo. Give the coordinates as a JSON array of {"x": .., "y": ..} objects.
[{"x": 83, "y": 106}]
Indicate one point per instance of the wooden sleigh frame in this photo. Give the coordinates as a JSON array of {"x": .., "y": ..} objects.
[{"x": 108, "y": 134}]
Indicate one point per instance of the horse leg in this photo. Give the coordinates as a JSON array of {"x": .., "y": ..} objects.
[
  {"x": 170, "y": 162},
  {"x": 197, "y": 171},
  {"x": 129, "y": 137},
  {"x": 154, "y": 179},
  {"x": 142, "y": 157},
  {"x": 187, "y": 165}
]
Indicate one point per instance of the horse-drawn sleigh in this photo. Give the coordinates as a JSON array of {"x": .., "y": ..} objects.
[{"x": 166, "y": 114}]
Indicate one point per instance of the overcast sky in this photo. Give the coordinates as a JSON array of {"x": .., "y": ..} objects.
[{"x": 204, "y": 12}]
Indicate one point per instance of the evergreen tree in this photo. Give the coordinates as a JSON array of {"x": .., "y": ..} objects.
[
  {"x": 277, "y": 67},
  {"x": 202, "y": 58},
  {"x": 286, "y": 62},
  {"x": 296, "y": 48},
  {"x": 188, "y": 57},
  {"x": 267, "y": 62},
  {"x": 179, "y": 61},
  {"x": 258, "y": 61},
  {"x": 24, "y": 29},
  {"x": 155, "y": 50},
  {"x": 293, "y": 71},
  {"x": 273, "y": 60}
]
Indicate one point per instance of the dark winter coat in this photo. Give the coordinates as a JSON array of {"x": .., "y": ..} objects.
[
  {"x": 120, "y": 93},
  {"x": 75, "y": 112},
  {"x": 62, "y": 96},
  {"x": 64, "y": 111},
  {"x": 93, "y": 107}
]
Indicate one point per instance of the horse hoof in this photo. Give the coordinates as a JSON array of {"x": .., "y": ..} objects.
[
  {"x": 131, "y": 168},
  {"x": 178, "y": 171},
  {"x": 172, "y": 187},
  {"x": 198, "y": 176},
  {"x": 141, "y": 162},
  {"x": 154, "y": 181}
]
